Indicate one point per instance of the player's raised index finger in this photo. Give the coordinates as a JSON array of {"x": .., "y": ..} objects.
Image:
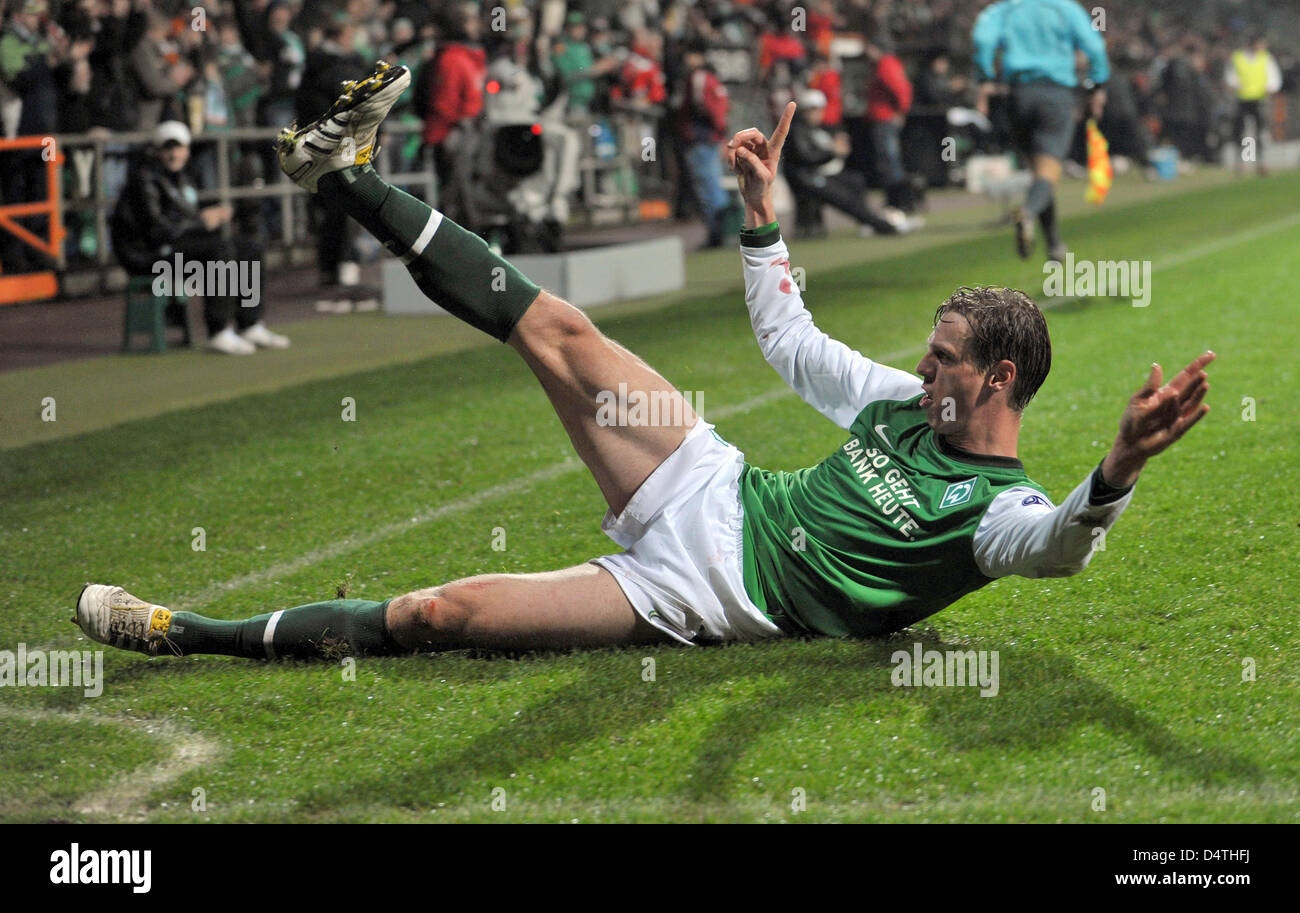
[{"x": 777, "y": 140}]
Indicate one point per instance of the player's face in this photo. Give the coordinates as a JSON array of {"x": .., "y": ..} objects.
[{"x": 952, "y": 384}]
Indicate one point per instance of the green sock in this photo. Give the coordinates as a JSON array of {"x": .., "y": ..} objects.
[
  {"x": 321, "y": 630},
  {"x": 454, "y": 267}
]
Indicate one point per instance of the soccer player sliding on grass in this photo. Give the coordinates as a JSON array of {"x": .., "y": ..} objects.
[{"x": 923, "y": 502}]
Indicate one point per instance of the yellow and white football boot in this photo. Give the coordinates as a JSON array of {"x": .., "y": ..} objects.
[
  {"x": 345, "y": 134},
  {"x": 110, "y": 615}
]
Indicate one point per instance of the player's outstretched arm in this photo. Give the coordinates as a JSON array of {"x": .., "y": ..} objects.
[
  {"x": 831, "y": 377},
  {"x": 1023, "y": 534},
  {"x": 1156, "y": 417}
]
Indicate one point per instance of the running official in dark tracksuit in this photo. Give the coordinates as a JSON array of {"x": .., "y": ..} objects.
[{"x": 1038, "y": 40}]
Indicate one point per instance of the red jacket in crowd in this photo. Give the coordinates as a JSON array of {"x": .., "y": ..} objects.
[
  {"x": 641, "y": 78},
  {"x": 889, "y": 93},
  {"x": 459, "y": 74},
  {"x": 820, "y": 31},
  {"x": 776, "y": 46},
  {"x": 827, "y": 81},
  {"x": 702, "y": 118}
]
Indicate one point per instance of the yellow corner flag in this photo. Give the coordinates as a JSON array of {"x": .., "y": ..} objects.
[{"x": 1100, "y": 175}]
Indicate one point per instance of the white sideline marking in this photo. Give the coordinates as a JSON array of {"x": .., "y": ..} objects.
[
  {"x": 343, "y": 546},
  {"x": 124, "y": 798},
  {"x": 556, "y": 470}
]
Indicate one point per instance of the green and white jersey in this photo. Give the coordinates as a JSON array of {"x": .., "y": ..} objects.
[{"x": 896, "y": 524}]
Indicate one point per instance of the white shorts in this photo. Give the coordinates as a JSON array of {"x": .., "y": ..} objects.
[{"x": 682, "y": 568}]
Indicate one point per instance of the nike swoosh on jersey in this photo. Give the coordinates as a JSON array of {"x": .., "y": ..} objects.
[{"x": 884, "y": 437}]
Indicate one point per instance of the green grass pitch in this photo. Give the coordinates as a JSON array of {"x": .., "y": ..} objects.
[{"x": 1127, "y": 678}]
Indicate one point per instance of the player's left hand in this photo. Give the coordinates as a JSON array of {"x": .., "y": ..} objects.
[
  {"x": 755, "y": 157},
  {"x": 1156, "y": 417}
]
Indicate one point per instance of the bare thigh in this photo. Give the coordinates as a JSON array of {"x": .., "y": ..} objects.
[
  {"x": 580, "y": 606},
  {"x": 1047, "y": 167},
  {"x": 581, "y": 370}
]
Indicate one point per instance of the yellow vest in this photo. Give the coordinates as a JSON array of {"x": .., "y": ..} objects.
[{"x": 1252, "y": 75}]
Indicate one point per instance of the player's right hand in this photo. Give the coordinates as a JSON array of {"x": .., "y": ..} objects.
[
  {"x": 754, "y": 157},
  {"x": 1157, "y": 416}
]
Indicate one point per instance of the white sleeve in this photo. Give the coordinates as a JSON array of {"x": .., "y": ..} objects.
[
  {"x": 1022, "y": 533},
  {"x": 832, "y": 378},
  {"x": 1274, "y": 76}
]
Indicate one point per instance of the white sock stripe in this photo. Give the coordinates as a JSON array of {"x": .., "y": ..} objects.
[
  {"x": 435, "y": 219},
  {"x": 268, "y": 636}
]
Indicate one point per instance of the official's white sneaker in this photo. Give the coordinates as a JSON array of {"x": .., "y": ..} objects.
[
  {"x": 228, "y": 342},
  {"x": 900, "y": 221},
  {"x": 345, "y": 134},
  {"x": 110, "y": 615},
  {"x": 259, "y": 335}
]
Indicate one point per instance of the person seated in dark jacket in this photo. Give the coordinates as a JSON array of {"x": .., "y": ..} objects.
[
  {"x": 810, "y": 157},
  {"x": 159, "y": 230}
]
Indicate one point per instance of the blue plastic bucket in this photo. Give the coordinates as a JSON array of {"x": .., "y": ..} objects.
[{"x": 1165, "y": 160}]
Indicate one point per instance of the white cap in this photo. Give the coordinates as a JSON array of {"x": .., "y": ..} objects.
[
  {"x": 812, "y": 98},
  {"x": 171, "y": 131}
]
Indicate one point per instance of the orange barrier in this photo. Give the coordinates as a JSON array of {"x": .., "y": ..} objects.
[{"x": 32, "y": 286}]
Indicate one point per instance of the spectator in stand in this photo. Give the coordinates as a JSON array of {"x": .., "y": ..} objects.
[
  {"x": 825, "y": 78},
  {"x": 406, "y": 48},
  {"x": 641, "y": 79},
  {"x": 240, "y": 75},
  {"x": 889, "y": 96},
  {"x": 700, "y": 105},
  {"x": 449, "y": 91},
  {"x": 821, "y": 28},
  {"x": 936, "y": 91},
  {"x": 782, "y": 57},
  {"x": 31, "y": 48},
  {"x": 328, "y": 65},
  {"x": 814, "y": 168},
  {"x": 937, "y": 87},
  {"x": 158, "y": 217},
  {"x": 641, "y": 89},
  {"x": 282, "y": 56},
  {"x": 1253, "y": 75},
  {"x": 158, "y": 80},
  {"x": 1184, "y": 101},
  {"x": 74, "y": 78},
  {"x": 116, "y": 29},
  {"x": 575, "y": 61},
  {"x": 609, "y": 57}
]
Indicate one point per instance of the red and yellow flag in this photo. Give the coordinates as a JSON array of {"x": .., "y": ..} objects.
[{"x": 1100, "y": 175}]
